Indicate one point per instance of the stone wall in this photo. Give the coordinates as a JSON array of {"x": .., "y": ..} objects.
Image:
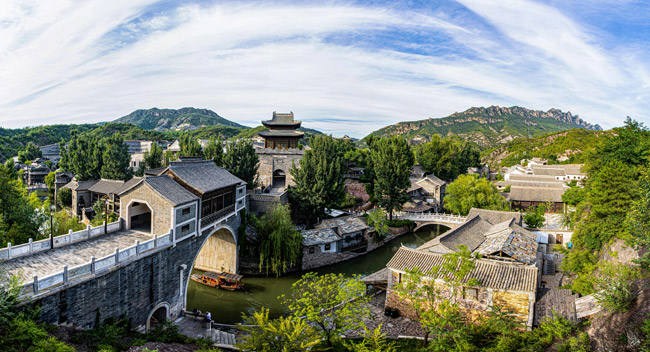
[
  {"x": 277, "y": 159},
  {"x": 219, "y": 253},
  {"x": 132, "y": 288},
  {"x": 161, "y": 208},
  {"x": 261, "y": 203}
]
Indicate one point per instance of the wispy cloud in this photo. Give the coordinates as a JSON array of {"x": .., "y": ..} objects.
[{"x": 341, "y": 67}]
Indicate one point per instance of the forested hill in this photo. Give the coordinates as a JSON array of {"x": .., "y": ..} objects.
[
  {"x": 171, "y": 119},
  {"x": 489, "y": 127},
  {"x": 573, "y": 144}
]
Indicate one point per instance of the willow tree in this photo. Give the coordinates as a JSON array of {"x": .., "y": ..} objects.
[
  {"x": 319, "y": 179},
  {"x": 280, "y": 244},
  {"x": 392, "y": 159}
]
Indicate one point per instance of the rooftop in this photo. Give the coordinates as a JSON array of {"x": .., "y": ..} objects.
[
  {"x": 282, "y": 120},
  {"x": 318, "y": 236},
  {"x": 491, "y": 274},
  {"x": 495, "y": 216},
  {"x": 168, "y": 188},
  {"x": 105, "y": 186},
  {"x": 536, "y": 194},
  {"x": 203, "y": 175},
  {"x": 344, "y": 224}
]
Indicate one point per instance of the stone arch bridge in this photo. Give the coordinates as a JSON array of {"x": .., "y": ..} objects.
[
  {"x": 130, "y": 274},
  {"x": 425, "y": 219}
]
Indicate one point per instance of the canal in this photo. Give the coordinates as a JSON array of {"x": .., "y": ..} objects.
[{"x": 227, "y": 307}]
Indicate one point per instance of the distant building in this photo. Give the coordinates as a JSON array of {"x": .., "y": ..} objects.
[
  {"x": 426, "y": 192},
  {"x": 51, "y": 152},
  {"x": 280, "y": 151},
  {"x": 34, "y": 174},
  {"x": 322, "y": 245}
]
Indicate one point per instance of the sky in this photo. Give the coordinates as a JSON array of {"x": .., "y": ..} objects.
[{"x": 343, "y": 67}]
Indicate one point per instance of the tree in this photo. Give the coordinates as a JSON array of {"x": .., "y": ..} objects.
[
  {"x": 49, "y": 180},
  {"x": 190, "y": 146},
  {"x": 392, "y": 159},
  {"x": 446, "y": 157},
  {"x": 377, "y": 219},
  {"x": 287, "y": 334},
  {"x": 373, "y": 341},
  {"x": 470, "y": 191},
  {"x": 116, "y": 160},
  {"x": 64, "y": 196},
  {"x": 638, "y": 221},
  {"x": 83, "y": 156},
  {"x": 332, "y": 303},
  {"x": 534, "y": 218},
  {"x": 31, "y": 152},
  {"x": 319, "y": 179},
  {"x": 214, "y": 150},
  {"x": 10, "y": 286},
  {"x": 63, "y": 222},
  {"x": 242, "y": 161},
  {"x": 280, "y": 244},
  {"x": 153, "y": 158},
  {"x": 613, "y": 286},
  {"x": 19, "y": 220},
  {"x": 10, "y": 168},
  {"x": 574, "y": 195},
  {"x": 438, "y": 315}
]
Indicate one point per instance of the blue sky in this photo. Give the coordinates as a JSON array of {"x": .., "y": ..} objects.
[{"x": 344, "y": 67}]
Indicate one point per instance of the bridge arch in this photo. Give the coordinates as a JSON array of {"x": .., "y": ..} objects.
[
  {"x": 218, "y": 252},
  {"x": 159, "y": 314},
  {"x": 424, "y": 225}
]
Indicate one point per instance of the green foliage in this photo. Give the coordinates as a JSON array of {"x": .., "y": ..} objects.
[
  {"x": 280, "y": 244},
  {"x": 574, "y": 195},
  {"x": 19, "y": 218},
  {"x": 153, "y": 158},
  {"x": 377, "y": 219},
  {"x": 534, "y": 218},
  {"x": 286, "y": 334},
  {"x": 613, "y": 285},
  {"x": 373, "y": 341},
  {"x": 319, "y": 179},
  {"x": 447, "y": 157},
  {"x": 332, "y": 303},
  {"x": 470, "y": 191},
  {"x": 30, "y": 152},
  {"x": 160, "y": 119},
  {"x": 64, "y": 197},
  {"x": 241, "y": 160},
  {"x": 63, "y": 222},
  {"x": 214, "y": 150},
  {"x": 638, "y": 220},
  {"x": 392, "y": 159},
  {"x": 190, "y": 146},
  {"x": 10, "y": 286},
  {"x": 12, "y": 141},
  {"x": 49, "y": 180},
  {"x": 116, "y": 159}
]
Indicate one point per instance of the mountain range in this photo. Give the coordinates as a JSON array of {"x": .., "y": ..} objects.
[
  {"x": 184, "y": 119},
  {"x": 488, "y": 127}
]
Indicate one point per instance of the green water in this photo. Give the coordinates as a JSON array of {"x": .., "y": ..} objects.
[{"x": 227, "y": 306}]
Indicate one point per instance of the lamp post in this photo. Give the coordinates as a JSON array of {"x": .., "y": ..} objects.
[
  {"x": 52, "y": 210},
  {"x": 105, "y": 216}
]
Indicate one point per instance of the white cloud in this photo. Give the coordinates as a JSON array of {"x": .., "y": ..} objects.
[{"x": 94, "y": 61}]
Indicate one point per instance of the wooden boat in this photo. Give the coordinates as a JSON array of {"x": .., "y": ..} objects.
[{"x": 224, "y": 280}]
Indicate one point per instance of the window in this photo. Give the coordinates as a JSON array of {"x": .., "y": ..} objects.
[
  {"x": 328, "y": 246},
  {"x": 311, "y": 250},
  {"x": 185, "y": 211},
  {"x": 185, "y": 228},
  {"x": 471, "y": 294}
]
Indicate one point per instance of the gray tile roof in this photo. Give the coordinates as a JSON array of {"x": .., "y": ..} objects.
[
  {"x": 344, "y": 224},
  {"x": 104, "y": 186},
  {"x": 491, "y": 274},
  {"x": 318, "y": 236},
  {"x": 81, "y": 185},
  {"x": 204, "y": 175},
  {"x": 513, "y": 244},
  {"x": 470, "y": 233},
  {"x": 547, "y": 171},
  {"x": 170, "y": 189},
  {"x": 495, "y": 216},
  {"x": 536, "y": 194}
]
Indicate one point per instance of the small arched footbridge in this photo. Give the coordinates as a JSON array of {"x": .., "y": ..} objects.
[{"x": 424, "y": 219}]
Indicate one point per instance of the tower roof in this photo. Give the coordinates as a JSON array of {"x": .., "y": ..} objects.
[{"x": 282, "y": 121}]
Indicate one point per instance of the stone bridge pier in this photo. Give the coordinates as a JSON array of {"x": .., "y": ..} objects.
[{"x": 148, "y": 289}]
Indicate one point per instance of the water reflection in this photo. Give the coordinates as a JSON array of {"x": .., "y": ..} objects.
[{"x": 227, "y": 306}]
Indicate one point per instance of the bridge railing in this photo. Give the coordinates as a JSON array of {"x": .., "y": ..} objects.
[
  {"x": 33, "y": 247},
  {"x": 100, "y": 265},
  {"x": 450, "y": 218}
]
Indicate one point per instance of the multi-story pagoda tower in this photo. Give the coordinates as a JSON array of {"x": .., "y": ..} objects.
[{"x": 282, "y": 133}]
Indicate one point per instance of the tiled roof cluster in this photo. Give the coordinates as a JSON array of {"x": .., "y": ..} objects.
[
  {"x": 503, "y": 239},
  {"x": 170, "y": 189},
  {"x": 104, "y": 186},
  {"x": 491, "y": 274},
  {"x": 536, "y": 194}
]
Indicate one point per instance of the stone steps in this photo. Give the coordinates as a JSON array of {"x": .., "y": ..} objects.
[{"x": 222, "y": 338}]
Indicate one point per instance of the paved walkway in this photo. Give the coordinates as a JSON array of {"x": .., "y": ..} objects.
[
  {"x": 199, "y": 328},
  {"x": 52, "y": 261}
]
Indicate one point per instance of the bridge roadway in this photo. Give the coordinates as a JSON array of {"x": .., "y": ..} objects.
[{"x": 52, "y": 261}]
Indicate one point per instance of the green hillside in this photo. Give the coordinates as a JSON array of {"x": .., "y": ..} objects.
[
  {"x": 170, "y": 119},
  {"x": 573, "y": 144},
  {"x": 489, "y": 127}
]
